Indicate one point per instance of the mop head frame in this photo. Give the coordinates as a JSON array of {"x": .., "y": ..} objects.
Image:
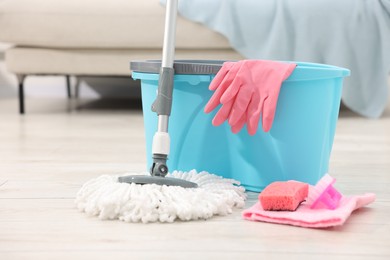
[
  {"x": 145, "y": 179},
  {"x": 108, "y": 199}
]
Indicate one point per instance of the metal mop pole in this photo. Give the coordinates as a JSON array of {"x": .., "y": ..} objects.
[
  {"x": 162, "y": 106},
  {"x": 163, "y": 103}
]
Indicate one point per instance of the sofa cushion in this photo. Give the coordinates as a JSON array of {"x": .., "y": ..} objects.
[
  {"x": 97, "y": 24},
  {"x": 24, "y": 60}
]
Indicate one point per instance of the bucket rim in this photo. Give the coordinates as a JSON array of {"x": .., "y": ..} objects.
[{"x": 303, "y": 71}]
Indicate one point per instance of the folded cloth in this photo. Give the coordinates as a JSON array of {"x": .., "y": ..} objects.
[{"x": 304, "y": 216}]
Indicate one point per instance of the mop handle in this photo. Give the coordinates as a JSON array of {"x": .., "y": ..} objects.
[
  {"x": 163, "y": 103},
  {"x": 169, "y": 34}
]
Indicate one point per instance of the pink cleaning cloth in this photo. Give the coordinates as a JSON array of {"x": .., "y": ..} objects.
[{"x": 304, "y": 216}]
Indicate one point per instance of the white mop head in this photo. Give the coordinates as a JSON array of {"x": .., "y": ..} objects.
[{"x": 106, "y": 198}]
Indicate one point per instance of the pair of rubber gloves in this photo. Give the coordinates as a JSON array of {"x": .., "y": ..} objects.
[{"x": 247, "y": 90}]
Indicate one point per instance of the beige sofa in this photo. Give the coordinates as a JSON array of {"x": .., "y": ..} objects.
[{"x": 95, "y": 38}]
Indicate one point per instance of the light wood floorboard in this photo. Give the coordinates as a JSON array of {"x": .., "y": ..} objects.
[{"x": 47, "y": 154}]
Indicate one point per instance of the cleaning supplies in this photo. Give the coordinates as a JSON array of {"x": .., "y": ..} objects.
[
  {"x": 283, "y": 195},
  {"x": 162, "y": 106},
  {"x": 298, "y": 146},
  {"x": 247, "y": 90},
  {"x": 304, "y": 216},
  {"x": 158, "y": 195},
  {"x": 307, "y": 216},
  {"x": 106, "y": 198},
  {"x": 323, "y": 194}
]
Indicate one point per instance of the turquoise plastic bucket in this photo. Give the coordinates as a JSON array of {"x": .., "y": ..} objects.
[{"x": 297, "y": 147}]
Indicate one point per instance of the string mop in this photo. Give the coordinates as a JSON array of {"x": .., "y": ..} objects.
[{"x": 109, "y": 199}]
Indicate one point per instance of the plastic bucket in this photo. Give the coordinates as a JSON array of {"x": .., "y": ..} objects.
[{"x": 298, "y": 146}]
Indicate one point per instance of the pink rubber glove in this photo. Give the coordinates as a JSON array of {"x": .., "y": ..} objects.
[
  {"x": 224, "y": 78},
  {"x": 248, "y": 89}
]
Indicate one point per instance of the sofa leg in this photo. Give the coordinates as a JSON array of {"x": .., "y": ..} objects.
[
  {"x": 68, "y": 87},
  {"x": 21, "y": 79},
  {"x": 77, "y": 87}
]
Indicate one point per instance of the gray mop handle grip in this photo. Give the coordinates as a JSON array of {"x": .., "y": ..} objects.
[{"x": 163, "y": 103}]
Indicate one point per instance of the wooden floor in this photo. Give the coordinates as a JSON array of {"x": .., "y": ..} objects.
[{"x": 47, "y": 154}]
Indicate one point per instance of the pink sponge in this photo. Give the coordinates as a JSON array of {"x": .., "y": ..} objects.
[{"x": 283, "y": 195}]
